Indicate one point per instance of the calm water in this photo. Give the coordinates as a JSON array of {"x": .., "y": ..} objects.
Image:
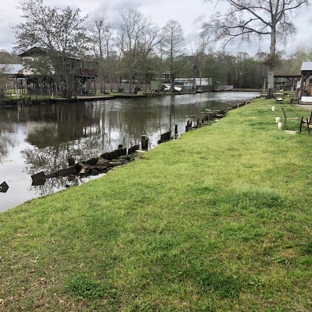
[{"x": 40, "y": 138}]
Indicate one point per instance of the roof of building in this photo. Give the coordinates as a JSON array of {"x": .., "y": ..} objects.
[
  {"x": 306, "y": 66},
  {"x": 32, "y": 51},
  {"x": 35, "y": 51},
  {"x": 287, "y": 76}
]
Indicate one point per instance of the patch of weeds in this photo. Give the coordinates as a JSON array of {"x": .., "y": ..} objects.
[
  {"x": 259, "y": 125},
  {"x": 102, "y": 227},
  {"x": 306, "y": 261},
  {"x": 207, "y": 307},
  {"x": 254, "y": 199},
  {"x": 162, "y": 244},
  {"x": 87, "y": 288},
  {"x": 307, "y": 249},
  {"x": 255, "y": 282},
  {"x": 203, "y": 190},
  {"x": 142, "y": 307},
  {"x": 242, "y": 232},
  {"x": 281, "y": 260},
  {"x": 225, "y": 286},
  {"x": 146, "y": 307}
]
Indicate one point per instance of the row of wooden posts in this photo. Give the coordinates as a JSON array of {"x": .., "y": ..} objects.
[
  {"x": 119, "y": 156},
  {"x": 105, "y": 162},
  {"x": 93, "y": 166}
]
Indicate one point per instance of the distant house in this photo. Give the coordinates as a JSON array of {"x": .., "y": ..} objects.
[
  {"x": 188, "y": 83},
  {"x": 284, "y": 82},
  {"x": 193, "y": 83},
  {"x": 306, "y": 83},
  {"x": 44, "y": 77},
  {"x": 12, "y": 77}
]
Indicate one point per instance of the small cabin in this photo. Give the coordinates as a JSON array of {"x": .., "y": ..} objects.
[
  {"x": 306, "y": 83},
  {"x": 12, "y": 78}
]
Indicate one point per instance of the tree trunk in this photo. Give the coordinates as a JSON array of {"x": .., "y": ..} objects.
[
  {"x": 194, "y": 76},
  {"x": 271, "y": 63},
  {"x": 264, "y": 85},
  {"x": 270, "y": 91}
]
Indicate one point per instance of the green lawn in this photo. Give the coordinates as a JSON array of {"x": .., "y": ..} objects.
[{"x": 219, "y": 220}]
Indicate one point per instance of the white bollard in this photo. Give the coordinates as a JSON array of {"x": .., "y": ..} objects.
[
  {"x": 277, "y": 119},
  {"x": 273, "y": 108},
  {"x": 279, "y": 126}
]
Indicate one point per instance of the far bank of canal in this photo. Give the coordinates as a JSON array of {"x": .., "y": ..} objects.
[{"x": 41, "y": 137}]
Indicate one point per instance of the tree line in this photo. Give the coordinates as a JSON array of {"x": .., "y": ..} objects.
[{"x": 138, "y": 51}]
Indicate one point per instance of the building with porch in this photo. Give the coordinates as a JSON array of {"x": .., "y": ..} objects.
[
  {"x": 284, "y": 82},
  {"x": 12, "y": 80},
  {"x": 305, "y": 92},
  {"x": 53, "y": 72}
]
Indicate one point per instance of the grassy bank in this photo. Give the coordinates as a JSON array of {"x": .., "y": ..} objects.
[{"x": 219, "y": 220}]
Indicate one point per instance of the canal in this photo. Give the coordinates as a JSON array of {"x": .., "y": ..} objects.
[{"x": 41, "y": 137}]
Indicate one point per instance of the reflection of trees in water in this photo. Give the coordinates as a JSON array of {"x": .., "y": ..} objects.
[
  {"x": 88, "y": 130},
  {"x": 125, "y": 124},
  {"x": 50, "y": 160},
  {"x": 50, "y": 186},
  {"x": 7, "y": 140},
  {"x": 53, "y": 185},
  {"x": 47, "y": 159}
]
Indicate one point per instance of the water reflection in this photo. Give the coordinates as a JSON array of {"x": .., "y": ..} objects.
[
  {"x": 41, "y": 138},
  {"x": 8, "y": 139}
]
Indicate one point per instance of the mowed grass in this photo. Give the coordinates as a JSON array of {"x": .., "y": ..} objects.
[{"x": 219, "y": 220}]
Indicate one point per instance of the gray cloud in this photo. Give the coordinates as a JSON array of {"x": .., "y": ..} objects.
[{"x": 190, "y": 14}]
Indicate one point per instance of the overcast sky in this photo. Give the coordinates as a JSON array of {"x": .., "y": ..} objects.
[{"x": 189, "y": 13}]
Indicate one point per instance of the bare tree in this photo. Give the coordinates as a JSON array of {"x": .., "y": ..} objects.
[
  {"x": 246, "y": 19},
  {"x": 137, "y": 38},
  {"x": 59, "y": 34},
  {"x": 198, "y": 58},
  {"x": 103, "y": 38},
  {"x": 172, "y": 39},
  {"x": 145, "y": 51}
]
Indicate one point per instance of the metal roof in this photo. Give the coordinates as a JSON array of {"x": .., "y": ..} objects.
[{"x": 306, "y": 66}]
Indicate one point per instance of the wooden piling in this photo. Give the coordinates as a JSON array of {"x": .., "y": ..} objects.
[
  {"x": 165, "y": 136},
  {"x": 188, "y": 126},
  {"x": 133, "y": 148},
  {"x": 71, "y": 161},
  {"x": 144, "y": 142}
]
